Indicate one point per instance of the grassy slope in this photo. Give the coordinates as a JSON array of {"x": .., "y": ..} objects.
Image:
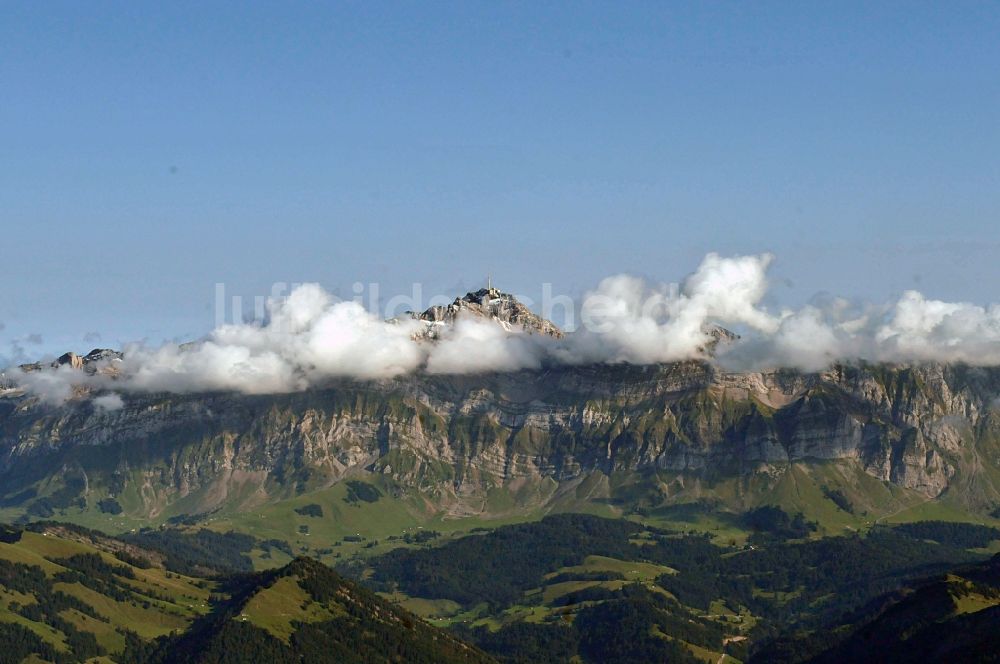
[
  {"x": 397, "y": 513},
  {"x": 174, "y": 600},
  {"x": 162, "y": 602},
  {"x": 276, "y": 608}
]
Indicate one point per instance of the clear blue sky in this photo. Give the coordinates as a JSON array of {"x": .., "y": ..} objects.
[{"x": 150, "y": 150}]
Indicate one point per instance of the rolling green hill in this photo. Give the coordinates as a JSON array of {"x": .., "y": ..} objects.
[
  {"x": 71, "y": 595},
  {"x": 948, "y": 618},
  {"x": 306, "y": 612},
  {"x": 66, "y": 596}
]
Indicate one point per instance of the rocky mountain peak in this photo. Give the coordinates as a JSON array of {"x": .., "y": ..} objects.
[{"x": 492, "y": 304}]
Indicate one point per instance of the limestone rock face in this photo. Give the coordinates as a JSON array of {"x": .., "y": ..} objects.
[
  {"x": 71, "y": 359},
  {"x": 930, "y": 429}
]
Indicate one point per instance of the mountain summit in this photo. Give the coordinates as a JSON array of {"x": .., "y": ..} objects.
[{"x": 491, "y": 304}]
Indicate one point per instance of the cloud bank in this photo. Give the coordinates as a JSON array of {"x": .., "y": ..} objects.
[{"x": 311, "y": 336}]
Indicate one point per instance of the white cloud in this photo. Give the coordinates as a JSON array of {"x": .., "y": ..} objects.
[
  {"x": 51, "y": 385},
  {"x": 922, "y": 329},
  {"x": 477, "y": 346},
  {"x": 627, "y": 320},
  {"x": 311, "y": 337}
]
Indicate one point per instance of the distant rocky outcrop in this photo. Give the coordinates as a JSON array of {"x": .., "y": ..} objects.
[{"x": 99, "y": 360}]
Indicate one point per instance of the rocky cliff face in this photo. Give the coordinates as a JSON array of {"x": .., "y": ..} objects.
[{"x": 932, "y": 430}]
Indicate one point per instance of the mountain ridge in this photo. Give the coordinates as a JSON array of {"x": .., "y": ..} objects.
[{"x": 929, "y": 430}]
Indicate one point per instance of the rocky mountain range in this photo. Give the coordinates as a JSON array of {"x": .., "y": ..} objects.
[{"x": 635, "y": 437}]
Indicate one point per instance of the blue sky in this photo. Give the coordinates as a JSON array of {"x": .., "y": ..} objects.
[{"x": 149, "y": 151}]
